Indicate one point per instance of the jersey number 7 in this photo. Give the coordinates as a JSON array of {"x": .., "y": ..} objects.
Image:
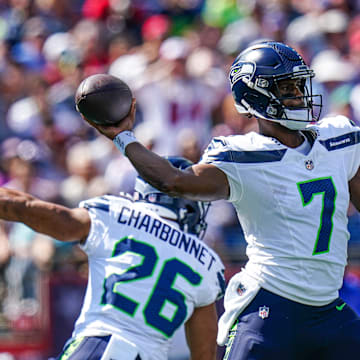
[{"x": 324, "y": 187}]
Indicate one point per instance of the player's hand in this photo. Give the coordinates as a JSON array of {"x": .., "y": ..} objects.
[{"x": 125, "y": 124}]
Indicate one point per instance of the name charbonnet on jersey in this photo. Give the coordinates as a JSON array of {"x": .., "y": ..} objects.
[{"x": 139, "y": 220}]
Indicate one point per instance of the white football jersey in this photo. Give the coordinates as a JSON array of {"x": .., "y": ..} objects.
[
  {"x": 145, "y": 276},
  {"x": 292, "y": 208}
]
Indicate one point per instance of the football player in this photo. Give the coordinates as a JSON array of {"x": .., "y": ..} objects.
[
  {"x": 149, "y": 272},
  {"x": 290, "y": 184}
]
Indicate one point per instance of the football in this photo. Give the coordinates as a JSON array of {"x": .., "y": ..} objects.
[{"x": 103, "y": 99}]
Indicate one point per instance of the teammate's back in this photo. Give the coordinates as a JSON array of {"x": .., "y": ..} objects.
[{"x": 146, "y": 276}]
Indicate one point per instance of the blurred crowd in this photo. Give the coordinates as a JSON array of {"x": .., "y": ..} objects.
[{"x": 175, "y": 56}]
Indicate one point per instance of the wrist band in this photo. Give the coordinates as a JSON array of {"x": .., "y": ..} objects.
[{"x": 123, "y": 139}]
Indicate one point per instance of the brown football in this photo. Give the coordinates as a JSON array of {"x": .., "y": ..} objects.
[{"x": 103, "y": 99}]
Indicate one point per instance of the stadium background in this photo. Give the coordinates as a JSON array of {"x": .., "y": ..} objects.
[{"x": 175, "y": 55}]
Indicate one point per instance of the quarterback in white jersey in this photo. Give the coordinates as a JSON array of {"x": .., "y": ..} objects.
[
  {"x": 290, "y": 184},
  {"x": 149, "y": 272},
  {"x": 302, "y": 255}
]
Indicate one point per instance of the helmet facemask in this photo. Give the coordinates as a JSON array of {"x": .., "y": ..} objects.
[{"x": 294, "y": 111}]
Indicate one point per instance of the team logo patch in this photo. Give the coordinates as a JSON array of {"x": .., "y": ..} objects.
[
  {"x": 264, "y": 312},
  {"x": 241, "y": 289},
  {"x": 309, "y": 164}
]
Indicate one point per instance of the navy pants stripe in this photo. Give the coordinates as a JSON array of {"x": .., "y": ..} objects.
[
  {"x": 292, "y": 331},
  {"x": 89, "y": 348}
]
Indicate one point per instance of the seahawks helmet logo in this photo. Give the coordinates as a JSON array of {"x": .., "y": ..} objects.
[{"x": 239, "y": 70}]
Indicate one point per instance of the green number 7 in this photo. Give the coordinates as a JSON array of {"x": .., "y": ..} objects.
[{"x": 324, "y": 187}]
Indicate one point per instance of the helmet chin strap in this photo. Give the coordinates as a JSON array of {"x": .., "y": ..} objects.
[
  {"x": 296, "y": 119},
  {"x": 294, "y": 125},
  {"x": 293, "y": 119}
]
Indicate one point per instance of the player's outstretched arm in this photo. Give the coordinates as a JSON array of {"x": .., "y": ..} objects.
[
  {"x": 44, "y": 217},
  {"x": 201, "y": 331},
  {"x": 354, "y": 186},
  {"x": 202, "y": 182}
]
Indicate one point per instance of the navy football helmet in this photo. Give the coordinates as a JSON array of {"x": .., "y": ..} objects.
[
  {"x": 254, "y": 78},
  {"x": 189, "y": 214}
]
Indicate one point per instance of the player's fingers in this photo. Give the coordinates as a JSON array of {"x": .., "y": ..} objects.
[
  {"x": 133, "y": 106},
  {"x": 132, "y": 110},
  {"x": 128, "y": 122}
]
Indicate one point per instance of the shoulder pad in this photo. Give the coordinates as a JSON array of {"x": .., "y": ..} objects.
[
  {"x": 100, "y": 202},
  {"x": 338, "y": 121},
  {"x": 338, "y": 132},
  {"x": 104, "y": 202}
]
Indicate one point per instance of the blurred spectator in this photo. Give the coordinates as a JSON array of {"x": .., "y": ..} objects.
[
  {"x": 15, "y": 15},
  {"x": 334, "y": 23},
  {"x": 89, "y": 37},
  {"x": 340, "y": 101},
  {"x": 304, "y": 34},
  {"x": 84, "y": 180},
  {"x": 179, "y": 100},
  {"x": 131, "y": 69},
  {"x": 354, "y": 225},
  {"x": 27, "y": 116},
  {"x": 13, "y": 79},
  {"x": 332, "y": 70},
  {"x": 5, "y": 256},
  {"x": 31, "y": 255},
  {"x": 354, "y": 102},
  {"x": 60, "y": 51},
  {"x": 28, "y": 51},
  {"x": 231, "y": 121},
  {"x": 119, "y": 173},
  {"x": 238, "y": 35},
  {"x": 189, "y": 146},
  {"x": 19, "y": 160}
]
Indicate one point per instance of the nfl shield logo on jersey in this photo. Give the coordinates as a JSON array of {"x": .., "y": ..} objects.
[
  {"x": 309, "y": 164},
  {"x": 241, "y": 289},
  {"x": 264, "y": 312}
]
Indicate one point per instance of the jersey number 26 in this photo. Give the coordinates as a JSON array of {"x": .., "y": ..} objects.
[{"x": 162, "y": 293}]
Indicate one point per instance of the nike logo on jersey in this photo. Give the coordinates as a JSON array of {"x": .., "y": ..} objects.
[{"x": 340, "y": 307}]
